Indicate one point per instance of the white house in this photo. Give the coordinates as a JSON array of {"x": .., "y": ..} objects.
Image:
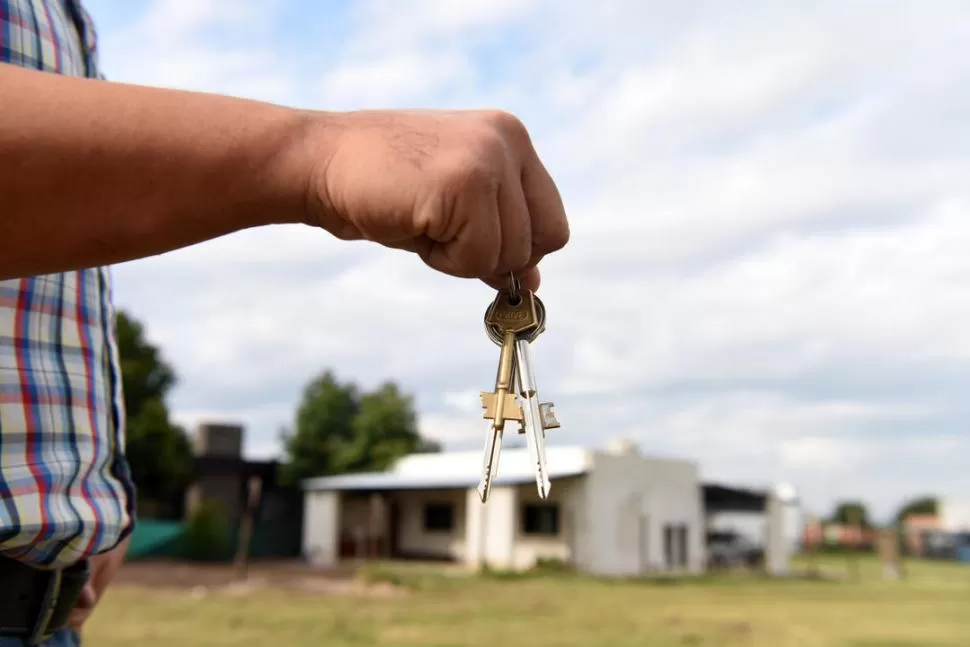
[{"x": 611, "y": 512}]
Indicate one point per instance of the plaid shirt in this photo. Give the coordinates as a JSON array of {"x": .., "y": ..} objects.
[{"x": 65, "y": 487}]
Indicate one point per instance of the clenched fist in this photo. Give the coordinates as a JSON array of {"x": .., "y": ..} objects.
[{"x": 464, "y": 190}]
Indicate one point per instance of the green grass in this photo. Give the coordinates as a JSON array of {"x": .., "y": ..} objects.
[{"x": 931, "y": 608}]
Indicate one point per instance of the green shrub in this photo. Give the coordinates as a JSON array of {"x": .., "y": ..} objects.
[
  {"x": 207, "y": 534},
  {"x": 552, "y": 565}
]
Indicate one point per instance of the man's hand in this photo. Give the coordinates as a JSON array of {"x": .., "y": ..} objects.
[
  {"x": 464, "y": 190},
  {"x": 103, "y": 569}
]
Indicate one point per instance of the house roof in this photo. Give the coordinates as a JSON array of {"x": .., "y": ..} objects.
[{"x": 457, "y": 470}]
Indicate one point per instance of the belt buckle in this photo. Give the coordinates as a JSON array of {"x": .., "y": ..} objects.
[{"x": 39, "y": 633}]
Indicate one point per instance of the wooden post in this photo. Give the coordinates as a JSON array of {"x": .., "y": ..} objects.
[
  {"x": 246, "y": 527},
  {"x": 853, "y": 552},
  {"x": 813, "y": 545},
  {"x": 889, "y": 554}
]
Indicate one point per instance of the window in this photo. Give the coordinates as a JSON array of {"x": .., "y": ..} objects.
[
  {"x": 540, "y": 519},
  {"x": 675, "y": 545},
  {"x": 439, "y": 517}
]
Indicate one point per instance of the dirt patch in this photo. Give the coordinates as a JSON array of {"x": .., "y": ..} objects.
[{"x": 202, "y": 580}]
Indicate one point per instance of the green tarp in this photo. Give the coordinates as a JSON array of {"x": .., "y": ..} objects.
[
  {"x": 271, "y": 539},
  {"x": 155, "y": 538}
]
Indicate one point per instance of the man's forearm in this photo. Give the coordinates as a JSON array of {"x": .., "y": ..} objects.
[{"x": 93, "y": 173}]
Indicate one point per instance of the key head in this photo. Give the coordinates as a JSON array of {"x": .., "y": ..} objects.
[
  {"x": 510, "y": 315},
  {"x": 511, "y": 410},
  {"x": 497, "y": 334}
]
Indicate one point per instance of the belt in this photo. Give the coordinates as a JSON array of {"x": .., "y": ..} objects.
[{"x": 35, "y": 604}]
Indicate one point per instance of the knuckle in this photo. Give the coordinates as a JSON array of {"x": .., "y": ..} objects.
[
  {"x": 508, "y": 124},
  {"x": 473, "y": 174}
]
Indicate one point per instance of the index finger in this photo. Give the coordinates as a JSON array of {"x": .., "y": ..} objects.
[{"x": 550, "y": 229}]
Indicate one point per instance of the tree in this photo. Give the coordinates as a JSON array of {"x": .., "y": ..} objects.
[
  {"x": 338, "y": 430},
  {"x": 927, "y": 505},
  {"x": 145, "y": 375},
  {"x": 851, "y": 512},
  {"x": 158, "y": 451}
]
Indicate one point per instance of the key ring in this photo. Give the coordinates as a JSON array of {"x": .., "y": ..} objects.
[{"x": 514, "y": 287}]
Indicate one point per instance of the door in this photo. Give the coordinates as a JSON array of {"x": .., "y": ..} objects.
[
  {"x": 682, "y": 546},
  {"x": 669, "y": 560},
  {"x": 643, "y": 544},
  {"x": 394, "y": 529}
]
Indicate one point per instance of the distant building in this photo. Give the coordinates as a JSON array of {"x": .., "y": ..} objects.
[
  {"x": 914, "y": 530},
  {"x": 610, "y": 512},
  {"x": 769, "y": 521},
  {"x": 945, "y": 535},
  {"x": 221, "y": 475},
  {"x": 954, "y": 516}
]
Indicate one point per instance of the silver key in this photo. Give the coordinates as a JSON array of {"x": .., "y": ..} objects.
[{"x": 532, "y": 422}]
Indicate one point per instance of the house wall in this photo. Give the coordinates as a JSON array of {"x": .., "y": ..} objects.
[
  {"x": 627, "y": 501},
  {"x": 415, "y": 540},
  {"x": 321, "y": 523},
  {"x": 567, "y": 495},
  {"x": 490, "y": 528},
  {"x": 495, "y": 533},
  {"x": 783, "y": 529}
]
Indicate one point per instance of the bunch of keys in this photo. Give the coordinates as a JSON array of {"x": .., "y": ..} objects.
[{"x": 513, "y": 321}]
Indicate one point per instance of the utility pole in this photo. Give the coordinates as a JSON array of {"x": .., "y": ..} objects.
[
  {"x": 246, "y": 526},
  {"x": 855, "y": 522}
]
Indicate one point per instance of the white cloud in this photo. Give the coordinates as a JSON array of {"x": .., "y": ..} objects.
[
  {"x": 450, "y": 428},
  {"x": 391, "y": 26},
  {"x": 411, "y": 77},
  {"x": 769, "y": 209},
  {"x": 175, "y": 44},
  {"x": 818, "y": 453}
]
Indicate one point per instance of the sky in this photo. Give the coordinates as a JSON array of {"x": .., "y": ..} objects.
[{"x": 770, "y": 215}]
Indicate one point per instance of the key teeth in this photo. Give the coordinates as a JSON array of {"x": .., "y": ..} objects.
[{"x": 547, "y": 412}]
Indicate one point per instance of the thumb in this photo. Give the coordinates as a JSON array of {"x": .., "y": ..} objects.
[
  {"x": 83, "y": 608},
  {"x": 87, "y": 599},
  {"x": 528, "y": 278}
]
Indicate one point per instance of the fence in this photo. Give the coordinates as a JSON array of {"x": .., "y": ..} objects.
[{"x": 277, "y": 533}]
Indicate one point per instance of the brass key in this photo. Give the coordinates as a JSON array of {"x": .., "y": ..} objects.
[{"x": 513, "y": 312}]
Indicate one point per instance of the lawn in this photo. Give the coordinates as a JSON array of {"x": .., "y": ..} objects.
[{"x": 429, "y": 608}]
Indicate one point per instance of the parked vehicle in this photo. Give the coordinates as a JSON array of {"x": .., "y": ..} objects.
[{"x": 728, "y": 549}]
